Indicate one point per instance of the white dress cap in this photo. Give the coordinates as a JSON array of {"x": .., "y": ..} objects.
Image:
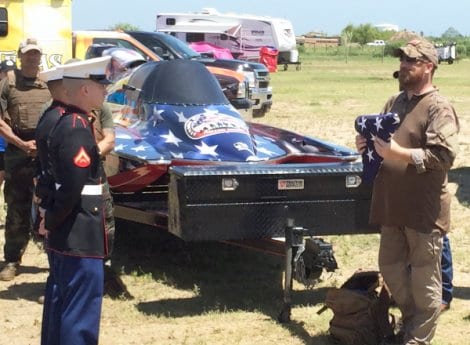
[
  {"x": 51, "y": 74},
  {"x": 94, "y": 69}
]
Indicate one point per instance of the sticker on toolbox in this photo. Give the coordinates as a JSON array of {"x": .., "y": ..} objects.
[{"x": 290, "y": 184}]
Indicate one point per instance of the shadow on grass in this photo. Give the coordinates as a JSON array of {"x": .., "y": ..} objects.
[
  {"x": 461, "y": 176},
  {"x": 461, "y": 292},
  {"x": 297, "y": 329},
  {"x": 27, "y": 291},
  {"x": 226, "y": 278}
]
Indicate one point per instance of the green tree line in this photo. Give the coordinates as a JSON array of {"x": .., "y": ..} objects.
[{"x": 363, "y": 33}]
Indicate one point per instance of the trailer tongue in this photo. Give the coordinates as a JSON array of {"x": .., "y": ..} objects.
[{"x": 250, "y": 205}]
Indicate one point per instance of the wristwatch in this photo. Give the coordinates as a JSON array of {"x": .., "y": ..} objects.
[
  {"x": 417, "y": 156},
  {"x": 102, "y": 157}
]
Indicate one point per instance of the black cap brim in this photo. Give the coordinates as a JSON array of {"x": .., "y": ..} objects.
[
  {"x": 100, "y": 78},
  {"x": 397, "y": 52}
]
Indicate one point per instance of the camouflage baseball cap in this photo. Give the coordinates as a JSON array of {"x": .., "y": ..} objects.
[
  {"x": 29, "y": 44},
  {"x": 418, "y": 48}
]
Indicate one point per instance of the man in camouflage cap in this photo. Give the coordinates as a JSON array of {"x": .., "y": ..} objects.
[
  {"x": 22, "y": 96},
  {"x": 415, "y": 216},
  {"x": 419, "y": 48}
]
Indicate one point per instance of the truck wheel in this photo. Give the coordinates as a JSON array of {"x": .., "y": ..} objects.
[{"x": 450, "y": 61}]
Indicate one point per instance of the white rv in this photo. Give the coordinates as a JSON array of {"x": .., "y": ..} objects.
[
  {"x": 243, "y": 34},
  {"x": 446, "y": 52}
]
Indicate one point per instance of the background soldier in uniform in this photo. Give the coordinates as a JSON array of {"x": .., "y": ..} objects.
[
  {"x": 103, "y": 126},
  {"x": 22, "y": 96},
  {"x": 73, "y": 219}
]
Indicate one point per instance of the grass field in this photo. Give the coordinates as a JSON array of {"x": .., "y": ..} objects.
[{"x": 210, "y": 293}]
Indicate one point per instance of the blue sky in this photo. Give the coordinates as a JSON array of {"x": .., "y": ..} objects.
[{"x": 331, "y": 16}]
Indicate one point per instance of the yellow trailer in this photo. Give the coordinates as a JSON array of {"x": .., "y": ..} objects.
[{"x": 49, "y": 21}]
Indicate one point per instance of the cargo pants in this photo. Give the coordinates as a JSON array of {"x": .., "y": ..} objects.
[
  {"x": 109, "y": 224},
  {"x": 19, "y": 173},
  {"x": 410, "y": 262}
]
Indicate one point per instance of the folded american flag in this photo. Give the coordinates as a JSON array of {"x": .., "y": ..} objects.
[{"x": 371, "y": 126}]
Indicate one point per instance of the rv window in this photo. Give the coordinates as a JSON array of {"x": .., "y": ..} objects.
[
  {"x": 194, "y": 37},
  {"x": 3, "y": 22},
  {"x": 223, "y": 37},
  {"x": 170, "y": 21}
]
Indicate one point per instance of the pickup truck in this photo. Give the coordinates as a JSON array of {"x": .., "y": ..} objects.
[
  {"x": 169, "y": 47},
  {"x": 376, "y": 43},
  {"x": 88, "y": 44}
]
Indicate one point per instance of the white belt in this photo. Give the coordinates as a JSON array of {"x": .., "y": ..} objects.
[
  {"x": 92, "y": 189},
  {"x": 88, "y": 189}
]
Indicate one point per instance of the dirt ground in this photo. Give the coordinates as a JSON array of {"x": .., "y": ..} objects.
[
  {"x": 141, "y": 321},
  {"x": 147, "y": 319},
  {"x": 20, "y": 312}
]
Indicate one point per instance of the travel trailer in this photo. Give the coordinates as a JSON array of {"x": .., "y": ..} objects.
[
  {"x": 243, "y": 34},
  {"x": 446, "y": 52}
]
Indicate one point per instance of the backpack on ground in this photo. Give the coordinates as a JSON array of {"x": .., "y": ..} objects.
[{"x": 361, "y": 310}]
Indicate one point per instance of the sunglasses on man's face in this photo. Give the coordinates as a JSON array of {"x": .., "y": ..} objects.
[{"x": 411, "y": 60}]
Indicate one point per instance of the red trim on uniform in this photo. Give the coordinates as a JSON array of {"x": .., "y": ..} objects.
[
  {"x": 81, "y": 119},
  {"x": 81, "y": 159}
]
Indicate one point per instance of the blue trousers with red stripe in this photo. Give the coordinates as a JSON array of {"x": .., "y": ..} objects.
[
  {"x": 47, "y": 327},
  {"x": 72, "y": 301}
]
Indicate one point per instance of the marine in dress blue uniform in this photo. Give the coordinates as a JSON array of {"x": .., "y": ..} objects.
[
  {"x": 73, "y": 217},
  {"x": 45, "y": 184},
  {"x": 57, "y": 107}
]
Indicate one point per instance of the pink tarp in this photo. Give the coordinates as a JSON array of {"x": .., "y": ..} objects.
[{"x": 208, "y": 48}]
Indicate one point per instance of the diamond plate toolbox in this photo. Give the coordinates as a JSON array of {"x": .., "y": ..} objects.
[{"x": 254, "y": 200}]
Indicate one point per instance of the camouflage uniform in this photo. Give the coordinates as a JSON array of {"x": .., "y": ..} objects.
[
  {"x": 21, "y": 100},
  {"x": 103, "y": 120},
  {"x": 413, "y": 209},
  {"x": 113, "y": 285}
]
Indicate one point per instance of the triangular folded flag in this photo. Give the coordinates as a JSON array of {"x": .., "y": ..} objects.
[{"x": 371, "y": 126}]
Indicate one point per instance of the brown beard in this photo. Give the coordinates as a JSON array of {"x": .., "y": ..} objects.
[{"x": 409, "y": 80}]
